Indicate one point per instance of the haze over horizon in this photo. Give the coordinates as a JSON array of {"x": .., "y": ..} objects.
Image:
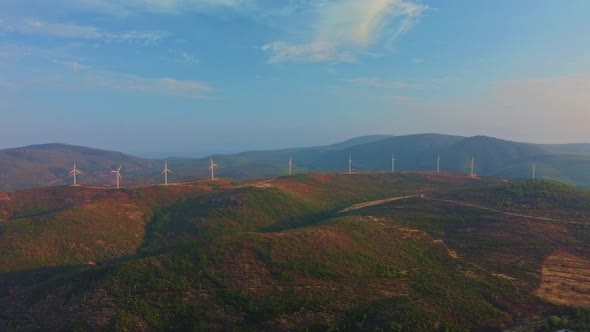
[{"x": 149, "y": 76}]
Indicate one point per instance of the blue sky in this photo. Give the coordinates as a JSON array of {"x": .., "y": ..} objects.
[{"x": 217, "y": 76}]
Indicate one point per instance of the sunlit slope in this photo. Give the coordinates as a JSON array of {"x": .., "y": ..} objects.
[
  {"x": 57, "y": 226},
  {"x": 64, "y": 225}
]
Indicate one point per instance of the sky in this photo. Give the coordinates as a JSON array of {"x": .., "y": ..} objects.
[{"x": 195, "y": 77}]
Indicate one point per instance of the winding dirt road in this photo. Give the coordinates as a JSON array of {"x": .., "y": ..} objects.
[
  {"x": 498, "y": 211},
  {"x": 423, "y": 196}
]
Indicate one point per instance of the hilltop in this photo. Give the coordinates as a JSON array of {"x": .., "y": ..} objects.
[
  {"x": 405, "y": 251},
  {"x": 49, "y": 164}
]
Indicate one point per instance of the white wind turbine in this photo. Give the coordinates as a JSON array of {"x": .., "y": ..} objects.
[
  {"x": 212, "y": 168},
  {"x": 118, "y": 174},
  {"x": 472, "y": 166},
  {"x": 291, "y": 165},
  {"x": 349, "y": 164},
  {"x": 165, "y": 172},
  {"x": 438, "y": 163},
  {"x": 74, "y": 172},
  {"x": 392, "y": 163},
  {"x": 534, "y": 170}
]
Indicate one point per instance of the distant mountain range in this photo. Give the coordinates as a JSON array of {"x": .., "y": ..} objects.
[{"x": 49, "y": 164}]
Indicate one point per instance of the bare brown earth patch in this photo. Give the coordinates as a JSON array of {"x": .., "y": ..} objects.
[{"x": 565, "y": 279}]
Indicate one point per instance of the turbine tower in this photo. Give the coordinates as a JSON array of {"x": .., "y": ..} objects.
[
  {"x": 74, "y": 172},
  {"x": 165, "y": 172},
  {"x": 212, "y": 168},
  {"x": 438, "y": 163},
  {"x": 349, "y": 164},
  {"x": 118, "y": 174},
  {"x": 472, "y": 166},
  {"x": 291, "y": 165},
  {"x": 392, "y": 163},
  {"x": 534, "y": 169}
]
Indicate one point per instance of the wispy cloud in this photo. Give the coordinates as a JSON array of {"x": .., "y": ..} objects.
[
  {"x": 133, "y": 7},
  {"x": 345, "y": 29},
  {"x": 404, "y": 99},
  {"x": 73, "y": 65},
  {"x": 10, "y": 51},
  {"x": 417, "y": 61},
  {"x": 189, "y": 58},
  {"x": 378, "y": 83},
  {"x": 84, "y": 76},
  {"x": 160, "y": 86},
  {"x": 33, "y": 26}
]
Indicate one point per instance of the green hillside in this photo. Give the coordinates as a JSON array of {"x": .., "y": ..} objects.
[{"x": 411, "y": 252}]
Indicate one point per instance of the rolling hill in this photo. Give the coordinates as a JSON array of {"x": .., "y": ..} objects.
[
  {"x": 406, "y": 251},
  {"x": 49, "y": 164}
]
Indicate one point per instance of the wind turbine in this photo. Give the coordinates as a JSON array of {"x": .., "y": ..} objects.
[
  {"x": 212, "y": 168},
  {"x": 534, "y": 169},
  {"x": 118, "y": 174},
  {"x": 165, "y": 172},
  {"x": 472, "y": 166},
  {"x": 291, "y": 165},
  {"x": 392, "y": 163},
  {"x": 438, "y": 164},
  {"x": 349, "y": 163},
  {"x": 74, "y": 172}
]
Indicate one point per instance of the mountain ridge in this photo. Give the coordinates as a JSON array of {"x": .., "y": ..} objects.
[{"x": 49, "y": 164}]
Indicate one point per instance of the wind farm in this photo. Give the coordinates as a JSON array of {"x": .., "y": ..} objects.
[
  {"x": 501, "y": 161},
  {"x": 180, "y": 165}
]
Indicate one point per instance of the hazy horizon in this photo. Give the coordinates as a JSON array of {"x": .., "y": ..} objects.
[
  {"x": 201, "y": 76},
  {"x": 202, "y": 152}
]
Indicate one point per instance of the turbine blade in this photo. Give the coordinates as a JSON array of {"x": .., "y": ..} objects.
[{"x": 118, "y": 169}]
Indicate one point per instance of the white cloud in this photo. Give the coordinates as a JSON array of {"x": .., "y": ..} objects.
[
  {"x": 378, "y": 83},
  {"x": 35, "y": 26},
  {"x": 344, "y": 29}
]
